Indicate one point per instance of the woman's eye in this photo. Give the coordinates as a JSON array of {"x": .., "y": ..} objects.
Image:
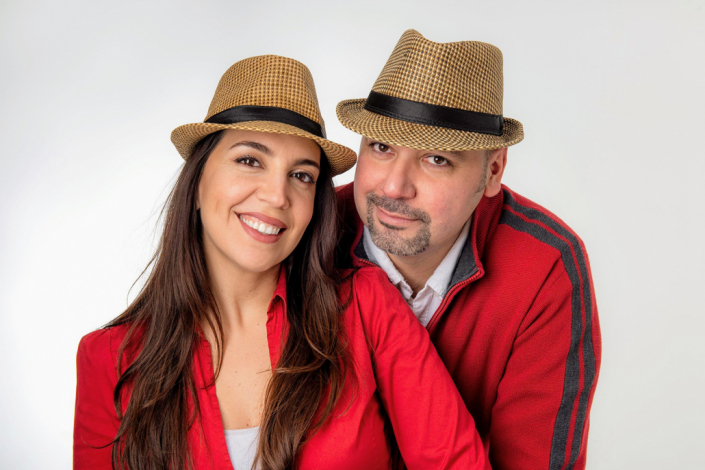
[
  {"x": 249, "y": 161},
  {"x": 436, "y": 160},
  {"x": 380, "y": 147},
  {"x": 304, "y": 177}
]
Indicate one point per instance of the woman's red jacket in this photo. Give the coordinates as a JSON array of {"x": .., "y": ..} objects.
[{"x": 399, "y": 380}]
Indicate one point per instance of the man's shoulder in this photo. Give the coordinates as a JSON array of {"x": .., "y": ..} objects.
[
  {"x": 346, "y": 204},
  {"x": 525, "y": 218},
  {"x": 344, "y": 190},
  {"x": 528, "y": 209},
  {"x": 350, "y": 225},
  {"x": 523, "y": 243}
]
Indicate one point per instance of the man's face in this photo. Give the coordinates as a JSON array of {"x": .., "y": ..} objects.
[{"x": 416, "y": 201}]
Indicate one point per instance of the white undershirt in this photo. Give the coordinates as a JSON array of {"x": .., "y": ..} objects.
[
  {"x": 429, "y": 298},
  {"x": 242, "y": 446}
]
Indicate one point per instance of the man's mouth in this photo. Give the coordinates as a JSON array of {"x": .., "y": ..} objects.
[
  {"x": 395, "y": 211},
  {"x": 398, "y": 220},
  {"x": 390, "y": 218}
]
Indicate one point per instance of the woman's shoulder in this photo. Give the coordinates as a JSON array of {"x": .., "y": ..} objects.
[{"x": 102, "y": 345}]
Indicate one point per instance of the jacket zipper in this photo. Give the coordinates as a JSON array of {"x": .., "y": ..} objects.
[{"x": 446, "y": 300}]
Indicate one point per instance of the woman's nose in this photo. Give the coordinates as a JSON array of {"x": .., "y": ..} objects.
[{"x": 274, "y": 191}]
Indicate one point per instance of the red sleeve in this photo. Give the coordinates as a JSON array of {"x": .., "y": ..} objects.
[
  {"x": 433, "y": 428},
  {"x": 95, "y": 421},
  {"x": 540, "y": 418}
]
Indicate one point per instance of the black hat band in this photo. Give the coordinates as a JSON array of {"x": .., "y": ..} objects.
[
  {"x": 267, "y": 113},
  {"x": 434, "y": 115}
]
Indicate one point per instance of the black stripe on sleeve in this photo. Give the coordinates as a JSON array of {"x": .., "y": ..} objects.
[{"x": 578, "y": 330}]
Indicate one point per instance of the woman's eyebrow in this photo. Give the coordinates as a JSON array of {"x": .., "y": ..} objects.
[
  {"x": 306, "y": 161},
  {"x": 255, "y": 145},
  {"x": 267, "y": 151}
]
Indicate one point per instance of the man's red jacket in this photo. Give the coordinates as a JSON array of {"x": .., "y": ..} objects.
[{"x": 517, "y": 329}]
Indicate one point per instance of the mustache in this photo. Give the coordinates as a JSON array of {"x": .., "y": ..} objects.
[{"x": 398, "y": 207}]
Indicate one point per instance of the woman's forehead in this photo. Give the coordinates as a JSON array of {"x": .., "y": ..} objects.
[{"x": 271, "y": 143}]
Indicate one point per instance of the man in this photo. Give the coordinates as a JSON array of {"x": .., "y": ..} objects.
[{"x": 502, "y": 285}]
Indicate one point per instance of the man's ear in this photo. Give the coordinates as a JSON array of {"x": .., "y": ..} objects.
[{"x": 496, "y": 162}]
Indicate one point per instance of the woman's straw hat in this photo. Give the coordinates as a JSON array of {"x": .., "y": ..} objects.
[
  {"x": 268, "y": 94},
  {"x": 436, "y": 96}
]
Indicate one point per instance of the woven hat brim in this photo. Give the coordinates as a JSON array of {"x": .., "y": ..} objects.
[
  {"x": 185, "y": 137},
  {"x": 352, "y": 115}
]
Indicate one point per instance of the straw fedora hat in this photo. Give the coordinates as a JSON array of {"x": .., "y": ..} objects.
[
  {"x": 436, "y": 96},
  {"x": 266, "y": 93}
]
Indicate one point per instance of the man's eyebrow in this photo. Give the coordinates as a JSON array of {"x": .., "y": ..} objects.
[
  {"x": 455, "y": 153},
  {"x": 306, "y": 161},
  {"x": 255, "y": 145}
]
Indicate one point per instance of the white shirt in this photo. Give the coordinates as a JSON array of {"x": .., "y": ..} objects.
[
  {"x": 429, "y": 298},
  {"x": 242, "y": 446}
]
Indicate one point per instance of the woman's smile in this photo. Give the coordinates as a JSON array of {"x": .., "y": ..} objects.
[{"x": 262, "y": 228}]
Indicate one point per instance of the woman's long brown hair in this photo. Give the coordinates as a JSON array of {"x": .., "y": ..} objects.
[{"x": 176, "y": 300}]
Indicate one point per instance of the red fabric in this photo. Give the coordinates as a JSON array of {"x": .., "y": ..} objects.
[
  {"x": 399, "y": 379},
  {"x": 520, "y": 335}
]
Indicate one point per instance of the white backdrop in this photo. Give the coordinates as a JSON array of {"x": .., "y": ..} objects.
[{"x": 611, "y": 99}]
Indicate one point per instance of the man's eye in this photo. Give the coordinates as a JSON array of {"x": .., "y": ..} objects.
[
  {"x": 304, "y": 177},
  {"x": 249, "y": 161},
  {"x": 437, "y": 160},
  {"x": 380, "y": 147}
]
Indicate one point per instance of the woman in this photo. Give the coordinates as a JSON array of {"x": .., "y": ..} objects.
[{"x": 246, "y": 345}]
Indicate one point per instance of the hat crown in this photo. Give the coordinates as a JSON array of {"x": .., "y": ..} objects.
[
  {"x": 267, "y": 80},
  {"x": 464, "y": 75}
]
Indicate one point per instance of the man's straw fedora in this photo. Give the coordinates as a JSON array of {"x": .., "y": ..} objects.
[
  {"x": 268, "y": 94},
  {"x": 436, "y": 96}
]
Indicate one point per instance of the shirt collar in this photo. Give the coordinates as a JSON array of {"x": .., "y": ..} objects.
[
  {"x": 440, "y": 279},
  {"x": 279, "y": 291},
  {"x": 438, "y": 282}
]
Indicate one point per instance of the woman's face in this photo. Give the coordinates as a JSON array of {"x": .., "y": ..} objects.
[{"x": 256, "y": 198}]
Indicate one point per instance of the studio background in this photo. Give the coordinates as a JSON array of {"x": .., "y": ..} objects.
[{"x": 611, "y": 97}]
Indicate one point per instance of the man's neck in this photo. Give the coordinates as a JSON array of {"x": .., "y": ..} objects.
[{"x": 419, "y": 268}]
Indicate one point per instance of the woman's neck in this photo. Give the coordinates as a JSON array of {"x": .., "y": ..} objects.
[{"x": 242, "y": 297}]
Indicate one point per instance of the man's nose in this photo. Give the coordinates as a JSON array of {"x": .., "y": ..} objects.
[
  {"x": 275, "y": 191},
  {"x": 398, "y": 183}
]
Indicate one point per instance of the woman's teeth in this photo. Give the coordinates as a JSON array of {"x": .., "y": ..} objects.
[{"x": 260, "y": 226}]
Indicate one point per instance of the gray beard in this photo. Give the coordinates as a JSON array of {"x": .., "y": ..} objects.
[{"x": 385, "y": 239}]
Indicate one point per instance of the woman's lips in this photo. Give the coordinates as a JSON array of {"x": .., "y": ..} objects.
[
  {"x": 264, "y": 218},
  {"x": 261, "y": 227}
]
